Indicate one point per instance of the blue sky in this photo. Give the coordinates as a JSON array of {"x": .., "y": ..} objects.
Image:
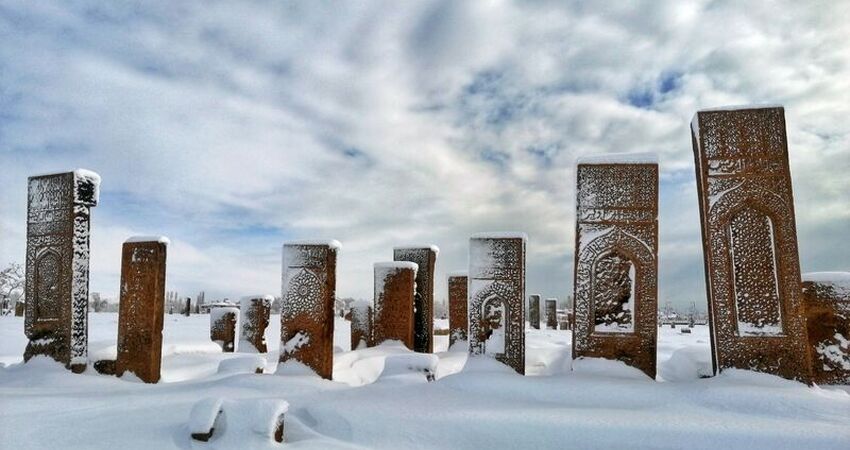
[{"x": 233, "y": 126}]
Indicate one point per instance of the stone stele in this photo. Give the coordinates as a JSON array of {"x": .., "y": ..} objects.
[
  {"x": 458, "y": 314},
  {"x": 826, "y": 296},
  {"x": 223, "y": 324},
  {"x": 392, "y": 319},
  {"x": 534, "y": 311},
  {"x": 255, "y": 311},
  {"x": 425, "y": 258},
  {"x": 551, "y": 314},
  {"x": 749, "y": 240},
  {"x": 361, "y": 324}
]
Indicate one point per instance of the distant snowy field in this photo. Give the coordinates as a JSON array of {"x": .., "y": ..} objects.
[{"x": 377, "y": 402}]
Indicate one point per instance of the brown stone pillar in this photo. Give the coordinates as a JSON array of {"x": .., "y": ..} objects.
[
  {"x": 534, "y": 311},
  {"x": 255, "y": 311},
  {"x": 19, "y": 309},
  {"x": 142, "y": 299},
  {"x": 223, "y": 322},
  {"x": 497, "y": 297},
  {"x": 394, "y": 291},
  {"x": 425, "y": 258},
  {"x": 616, "y": 260},
  {"x": 361, "y": 325},
  {"x": 307, "y": 310},
  {"x": 57, "y": 267},
  {"x": 458, "y": 313},
  {"x": 551, "y": 314},
  {"x": 826, "y": 297},
  {"x": 750, "y": 242}
]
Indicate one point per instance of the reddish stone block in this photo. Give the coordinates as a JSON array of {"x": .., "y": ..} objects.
[
  {"x": 425, "y": 258},
  {"x": 223, "y": 321},
  {"x": 458, "y": 313},
  {"x": 361, "y": 325},
  {"x": 826, "y": 297},
  {"x": 392, "y": 319},
  {"x": 255, "y": 311}
]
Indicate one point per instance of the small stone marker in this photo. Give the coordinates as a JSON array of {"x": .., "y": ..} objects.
[
  {"x": 551, "y": 314},
  {"x": 534, "y": 311},
  {"x": 392, "y": 319},
  {"x": 19, "y": 309},
  {"x": 826, "y": 296},
  {"x": 255, "y": 311},
  {"x": 361, "y": 324},
  {"x": 425, "y": 258},
  {"x": 616, "y": 260},
  {"x": 497, "y": 297},
  {"x": 188, "y": 309},
  {"x": 223, "y": 322},
  {"x": 750, "y": 242},
  {"x": 57, "y": 266},
  {"x": 458, "y": 313},
  {"x": 140, "y": 315},
  {"x": 251, "y": 423},
  {"x": 307, "y": 310}
]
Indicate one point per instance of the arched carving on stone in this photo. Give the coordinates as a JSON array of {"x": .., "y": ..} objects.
[{"x": 48, "y": 275}]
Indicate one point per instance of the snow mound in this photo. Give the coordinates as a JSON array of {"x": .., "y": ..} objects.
[
  {"x": 332, "y": 243},
  {"x": 395, "y": 265},
  {"x": 686, "y": 364},
  {"x": 204, "y": 414},
  {"x": 606, "y": 368},
  {"x": 242, "y": 364},
  {"x": 422, "y": 365}
]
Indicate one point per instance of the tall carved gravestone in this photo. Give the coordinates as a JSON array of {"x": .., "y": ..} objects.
[
  {"x": 57, "y": 266},
  {"x": 497, "y": 297},
  {"x": 425, "y": 258},
  {"x": 750, "y": 242},
  {"x": 458, "y": 314},
  {"x": 826, "y": 297},
  {"x": 361, "y": 324},
  {"x": 142, "y": 299},
  {"x": 551, "y": 314},
  {"x": 534, "y": 311},
  {"x": 307, "y": 310},
  {"x": 255, "y": 311},
  {"x": 223, "y": 327},
  {"x": 616, "y": 276},
  {"x": 392, "y": 319}
]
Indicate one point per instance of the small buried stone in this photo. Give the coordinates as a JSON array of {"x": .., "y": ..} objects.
[{"x": 105, "y": 366}]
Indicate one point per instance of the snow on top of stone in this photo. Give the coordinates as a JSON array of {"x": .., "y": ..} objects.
[
  {"x": 332, "y": 243},
  {"x": 397, "y": 265},
  {"x": 246, "y": 298},
  {"x": 458, "y": 273},
  {"x": 203, "y": 415},
  {"x": 160, "y": 239},
  {"x": 619, "y": 158},
  {"x": 500, "y": 235},
  {"x": 433, "y": 247},
  {"x": 838, "y": 278}
]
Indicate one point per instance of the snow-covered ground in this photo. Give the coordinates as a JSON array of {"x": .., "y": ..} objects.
[{"x": 380, "y": 398}]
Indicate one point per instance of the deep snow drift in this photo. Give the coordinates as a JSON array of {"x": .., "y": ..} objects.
[{"x": 381, "y": 398}]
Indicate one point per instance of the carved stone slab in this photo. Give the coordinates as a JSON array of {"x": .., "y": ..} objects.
[
  {"x": 142, "y": 299},
  {"x": 616, "y": 262},
  {"x": 534, "y": 311},
  {"x": 223, "y": 323},
  {"x": 750, "y": 242},
  {"x": 57, "y": 266},
  {"x": 361, "y": 325},
  {"x": 255, "y": 311},
  {"x": 458, "y": 314},
  {"x": 551, "y": 314},
  {"x": 394, "y": 292},
  {"x": 307, "y": 311},
  {"x": 827, "y": 304},
  {"x": 497, "y": 297},
  {"x": 425, "y": 258}
]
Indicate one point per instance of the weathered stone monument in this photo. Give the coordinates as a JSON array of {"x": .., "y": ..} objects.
[
  {"x": 534, "y": 311},
  {"x": 223, "y": 323},
  {"x": 750, "y": 241},
  {"x": 188, "y": 309},
  {"x": 392, "y": 318},
  {"x": 458, "y": 314},
  {"x": 497, "y": 297},
  {"x": 616, "y": 260},
  {"x": 255, "y": 311},
  {"x": 826, "y": 297},
  {"x": 425, "y": 258},
  {"x": 142, "y": 299},
  {"x": 551, "y": 314},
  {"x": 307, "y": 310},
  {"x": 57, "y": 266},
  {"x": 19, "y": 309},
  {"x": 361, "y": 324}
]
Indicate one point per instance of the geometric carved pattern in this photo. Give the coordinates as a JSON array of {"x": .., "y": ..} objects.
[
  {"x": 497, "y": 298},
  {"x": 255, "y": 310},
  {"x": 425, "y": 257},
  {"x": 57, "y": 266},
  {"x": 458, "y": 315},
  {"x": 307, "y": 310},
  {"x": 750, "y": 242},
  {"x": 392, "y": 317},
  {"x": 616, "y": 262}
]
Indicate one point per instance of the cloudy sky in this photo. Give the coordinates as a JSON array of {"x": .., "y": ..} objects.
[{"x": 232, "y": 127}]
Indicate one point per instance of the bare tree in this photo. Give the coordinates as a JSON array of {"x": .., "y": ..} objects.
[{"x": 12, "y": 283}]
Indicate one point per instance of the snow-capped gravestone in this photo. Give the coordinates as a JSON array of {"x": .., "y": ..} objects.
[
  {"x": 616, "y": 260},
  {"x": 361, "y": 324},
  {"x": 534, "y": 311},
  {"x": 750, "y": 241},
  {"x": 826, "y": 297},
  {"x": 142, "y": 299},
  {"x": 223, "y": 322},
  {"x": 458, "y": 314},
  {"x": 497, "y": 297},
  {"x": 307, "y": 310},
  {"x": 551, "y": 314},
  {"x": 255, "y": 310},
  {"x": 392, "y": 318},
  {"x": 425, "y": 258},
  {"x": 57, "y": 266}
]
